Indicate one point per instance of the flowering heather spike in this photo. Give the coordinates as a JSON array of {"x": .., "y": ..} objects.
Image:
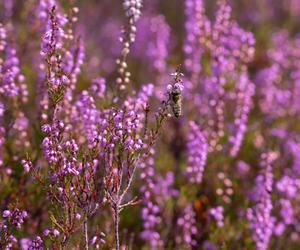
[
  {"x": 2, "y": 39},
  {"x": 52, "y": 40},
  {"x": 45, "y": 17},
  {"x": 197, "y": 149},
  {"x": 88, "y": 119},
  {"x": 286, "y": 211},
  {"x": 287, "y": 214},
  {"x": 150, "y": 211},
  {"x": 73, "y": 59},
  {"x": 73, "y": 55},
  {"x": 278, "y": 84},
  {"x": 51, "y": 47},
  {"x": 133, "y": 12},
  {"x": 245, "y": 91},
  {"x": 260, "y": 217},
  {"x": 13, "y": 82},
  {"x": 186, "y": 226},
  {"x": 194, "y": 13},
  {"x": 222, "y": 22},
  {"x": 157, "y": 191}
]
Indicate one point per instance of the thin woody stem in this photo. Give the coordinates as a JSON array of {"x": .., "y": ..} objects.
[
  {"x": 117, "y": 221},
  {"x": 85, "y": 231}
]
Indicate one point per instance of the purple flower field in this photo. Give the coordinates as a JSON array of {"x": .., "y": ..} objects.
[{"x": 150, "y": 124}]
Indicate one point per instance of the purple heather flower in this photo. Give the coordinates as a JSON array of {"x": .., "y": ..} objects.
[
  {"x": 279, "y": 229},
  {"x": 26, "y": 165},
  {"x": 20, "y": 130},
  {"x": 286, "y": 211},
  {"x": 6, "y": 213},
  {"x": 98, "y": 87},
  {"x": 288, "y": 186},
  {"x": 55, "y": 233},
  {"x": 217, "y": 214},
  {"x": 36, "y": 244},
  {"x": 133, "y": 9},
  {"x": 16, "y": 217},
  {"x": 46, "y": 232},
  {"x": 242, "y": 168},
  {"x": 25, "y": 243}
]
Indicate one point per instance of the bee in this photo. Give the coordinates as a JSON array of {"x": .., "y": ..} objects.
[
  {"x": 175, "y": 93},
  {"x": 176, "y": 101}
]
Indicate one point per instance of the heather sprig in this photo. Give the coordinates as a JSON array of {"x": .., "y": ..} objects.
[
  {"x": 197, "y": 149},
  {"x": 11, "y": 218},
  {"x": 56, "y": 78},
  {"x": 187, "y": 230},
  {"x": 150, "y": 212},
  {"x": 133, "y": 13},
  {"x": 260, "y": 216}
]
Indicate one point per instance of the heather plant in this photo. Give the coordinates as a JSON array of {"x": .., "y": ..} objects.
[{"x": 149, "y": 124}]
